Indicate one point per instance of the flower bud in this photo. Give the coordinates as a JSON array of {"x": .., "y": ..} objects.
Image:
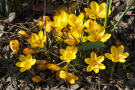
[
  {"x": 14, "y": 45},
  {"x": 23, "y": 33},
  {"x": 27, "y": 51}
]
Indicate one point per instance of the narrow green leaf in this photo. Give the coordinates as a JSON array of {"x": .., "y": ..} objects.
[
  {"x": 121, "y": 16},
  {"x": 91, "y": 45},
  {"x": 8, "y": 7},
  {"x": 16, "y": 4},
  {"x": 2, "y": 7}
]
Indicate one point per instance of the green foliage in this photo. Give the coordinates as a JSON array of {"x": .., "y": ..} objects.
[
  {"x": 91, "y": 45},
  {"x": 8, "y": 6}
]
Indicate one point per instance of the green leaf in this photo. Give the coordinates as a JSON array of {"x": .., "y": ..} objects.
[{"x": 91, "y": 45}]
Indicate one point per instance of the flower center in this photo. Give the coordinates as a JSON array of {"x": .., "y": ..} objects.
[
  {"x": 94, "y": 63},
  {"x": 39, "y": 42},
  {"x": 97, "y": 38},
  {"x": 116, "y": 57}
]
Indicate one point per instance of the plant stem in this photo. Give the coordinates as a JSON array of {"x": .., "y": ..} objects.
[
  {"x": 106, "y": 17},
  {"x": 112, "y": 71}
]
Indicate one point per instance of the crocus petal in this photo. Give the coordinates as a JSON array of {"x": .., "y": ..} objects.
[
  {"x": 64, "y": 16},
  {"x": 89, "y": 12},
  {"x": 102, "y": 13},
  {"x": 105, "y": 37},
  {"x": 80, "y": 18},
  {"x": 27, "y": 65},
  {"x": 34, "y": 45},
  {"x": 102, "y": 6},
  {"x": 33, "y": 61},
  {"x": 40, "y": 34},
  {"x": 62, "y": 51},
  {"x": 68, "y": 60},
  {"x": 22, "y": 58},
  {"x": 72, "y": 20},
  {"x": 109, "y": 56},
  {"x": 28, "y": 57},
  {"x": 53, "y": 67},
  {"x": 94, "y": 6},
  {"x": 41, "y": 45},
  {"x": 100, "y": 59},
  {"x": 96, "y": 69},
  {"x": 43, "y": 39},
  {"x": 114, "y": 50},
  {"x": 89, "y": 68},
  {"x": 122, "y": 60},
  {"x": 20, "y": 64},
  {"x": 102, "y": 66},
  {"x": 22, "y": 69},
  {"x": 74, "y": 56},
  {"x": 57, "y": 75},
  {"x": 88, "y": 60},
  {"x": 120, "y": 49},
  {"x": 29, "y": 41},
  {"x": 125, "y": 55},
  {"x": 93, "y": 56},
  {"x": 63, "y": 74},
  {"x": 62, "y": 57},
  {"x": 101, "y": 31},
  {"x": 34, "y": 37}
]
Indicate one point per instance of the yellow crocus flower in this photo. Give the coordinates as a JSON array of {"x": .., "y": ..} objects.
[
  {"x": 95, "y": 63},
  {"x": 97, "y": 11},
  {"x": 26, "y": 62},
  {"x": 68, "y": 54},
  {"x": 14, "y": 45},
  {"x": 99, "y": 35},
  {"x": 37, "y": 40},
  {"x": 117, "y": 54}
]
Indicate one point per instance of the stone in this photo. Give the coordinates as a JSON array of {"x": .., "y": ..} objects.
[
  {"x": 74, "y": 87},
  {"x": 132, "y": 82},
  {"x": 10, "y": 87}
]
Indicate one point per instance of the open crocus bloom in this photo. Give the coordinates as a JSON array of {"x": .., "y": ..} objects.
[
  {"x": 97, "y": 11},
  {"x": 117, "y": 54},
  {"x": 37, "y": 40},
  {"x": 99, "y": 35},
  {"x": 26, "y": 62},
  {"x": 95, "y": 63},
  {"x": 68, "y": 54}
]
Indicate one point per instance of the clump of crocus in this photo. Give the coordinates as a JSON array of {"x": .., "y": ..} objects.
[
  {"x": 99, "y": 35},
  {"x": 23, "y": 33},
  {"x": 95, "y": 63},
  {"x": 14, "y": 45},
  {"x": 97, "y": 11},
  {"x": 27, "y": 51},
  {"x": 68, "y": 54},
  {"x": 26, "y": 62},
  {"x": 37, "y": 40},
  {"x": 117, "y": 54}
]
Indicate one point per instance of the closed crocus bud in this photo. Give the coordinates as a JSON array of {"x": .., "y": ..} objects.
[
  {"x": 14, "y": 45},
  {"x": 23, "y": 33},
  {"x": 27, "y": 51},
  {"x": 37, "y": 79}
]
